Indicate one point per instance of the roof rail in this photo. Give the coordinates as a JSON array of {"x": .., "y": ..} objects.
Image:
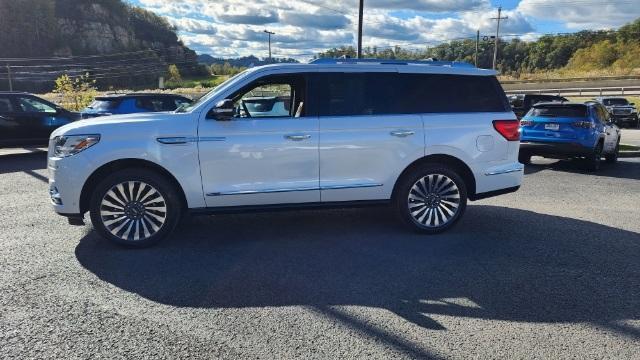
[{"x": 328, "y": 61}]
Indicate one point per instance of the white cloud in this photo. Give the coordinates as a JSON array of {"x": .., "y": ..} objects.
[
  {"x": 582, "y": 15},
  {"x": 235, "y": 27}
]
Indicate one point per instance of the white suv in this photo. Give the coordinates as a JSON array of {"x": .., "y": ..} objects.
[{"x": 421, "y": 136}]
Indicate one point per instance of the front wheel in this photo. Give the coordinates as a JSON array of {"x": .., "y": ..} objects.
[
  {"x": 431, "y": 199},
  {"x": 135, "y": 207}
]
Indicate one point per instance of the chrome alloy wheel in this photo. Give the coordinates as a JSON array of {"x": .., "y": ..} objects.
[
  {"x": 133, "y": 211},
  {"x": 434, "y": 200}
]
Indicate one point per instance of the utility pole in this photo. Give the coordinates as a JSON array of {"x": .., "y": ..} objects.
[
  {"x": 269, "y": 33},
  {"x": 9, "y": 77},
  {"x": 495, "y": 49},
  {"x": 477, "y": 42},
  {"x": 360, "y": 18}
]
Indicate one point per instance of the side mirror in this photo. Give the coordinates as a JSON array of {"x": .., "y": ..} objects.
[
  {"x": 223, "y": 111},
  {"x": 632, "y": 104}
]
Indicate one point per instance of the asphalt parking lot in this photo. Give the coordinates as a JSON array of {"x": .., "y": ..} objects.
[{"x": 552, "y": 271}]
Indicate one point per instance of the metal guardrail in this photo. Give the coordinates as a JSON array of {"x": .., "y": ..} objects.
[{"x": 596, "y": 91}]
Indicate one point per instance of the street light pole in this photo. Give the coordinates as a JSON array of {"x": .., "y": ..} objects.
[
  {"x": 269, "y": 33},
  {"x": 360, "y": 18}
]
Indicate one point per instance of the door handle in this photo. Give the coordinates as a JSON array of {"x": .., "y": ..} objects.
[
  {"x": 402, "y": 133},
  {"x": 297, "y": 137}
]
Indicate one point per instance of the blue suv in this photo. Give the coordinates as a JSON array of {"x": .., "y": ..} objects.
[
  {"x": 562, "y": 130},
  {"x": 133, "y": 103}
]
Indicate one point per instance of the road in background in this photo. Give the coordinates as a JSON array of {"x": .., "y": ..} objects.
[{"x": 551, "y": 271}]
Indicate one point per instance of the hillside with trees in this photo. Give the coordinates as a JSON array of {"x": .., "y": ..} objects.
[
  {"x": 116, "y": 43},
  {"x": 615, "y": 52}
]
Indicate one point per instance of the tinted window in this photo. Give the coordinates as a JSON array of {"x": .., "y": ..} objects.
[
  {"x": 103, "y": 104},
  {"x": 577, "y": 111},
  {"x": 29, "y": 104},
  {"x": 431, "y": 93},
  {"x": 155, "y": 104},
  {"x": 358, "y": 94},
  {"x": 391, "y": 93},
  {"x": 5, "y": 104}
]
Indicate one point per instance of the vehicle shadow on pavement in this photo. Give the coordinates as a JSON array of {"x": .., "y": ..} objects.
[
  {"x": 623, "y": 169},
  {"x": 25, "y": 162},
  {"x": 498, "y": 263}
]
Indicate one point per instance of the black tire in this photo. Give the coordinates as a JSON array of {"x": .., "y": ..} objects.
[
  {"x": 594, "y": 161},
  {"x": 613, "y": 158},
  {"x": 434, "y": 207},
  {"x": 137, "y": 210},
  {"x": 524, "y": 158}
]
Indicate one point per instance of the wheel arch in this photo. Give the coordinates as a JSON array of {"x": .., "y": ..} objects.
[
  {"x": 442, "y": 159},
  {"x": 120, "y": 164}
]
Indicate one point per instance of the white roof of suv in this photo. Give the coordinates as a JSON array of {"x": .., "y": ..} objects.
[{"x": 385, "y": 65}]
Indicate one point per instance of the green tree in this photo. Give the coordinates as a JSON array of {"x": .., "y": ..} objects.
[
  {"x": 173, "y": 73},
  {"x": 77, "y": 93}
]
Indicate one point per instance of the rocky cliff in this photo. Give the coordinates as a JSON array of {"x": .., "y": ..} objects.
[{"x": 107, "y": 38}]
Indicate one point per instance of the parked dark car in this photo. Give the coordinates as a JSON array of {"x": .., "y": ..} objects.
[
  {"x": 623, "y": 113},
  {"x": 133, "y": 103},
  {"x": 522, "y": 103},
  {"x": 27, "y": 120}
]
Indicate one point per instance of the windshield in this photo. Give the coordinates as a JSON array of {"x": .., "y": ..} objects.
[
  {"x": 613, "y": 102},
  {"x": 204, "y": 98},
  {"x": 577, "y": 111}
]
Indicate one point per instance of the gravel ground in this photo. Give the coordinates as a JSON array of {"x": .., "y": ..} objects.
[{"x": 551, "y": 271}]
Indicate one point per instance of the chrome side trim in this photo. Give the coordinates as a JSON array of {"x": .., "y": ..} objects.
[
  {"x": 352, "y": 186},
  {"x": 212, "y": 138},
  {"x": 272, "y": 191},
  {"x": 515, "y": 168},
  {"x": 265, "y": 191},
  {"x": 176, "y": 140}
]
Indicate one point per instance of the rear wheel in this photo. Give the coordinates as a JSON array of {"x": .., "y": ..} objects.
[
  {"x": 135, "y": 207},
  {"x": 613, "y": 157},
  {"x": 431, "y": 199},
  {"x": 594, "y": 160}
]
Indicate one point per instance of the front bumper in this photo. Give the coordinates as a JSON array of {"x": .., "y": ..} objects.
[
  {"x": 554, "y": 149},
  {"x": 66, "y": 179}
]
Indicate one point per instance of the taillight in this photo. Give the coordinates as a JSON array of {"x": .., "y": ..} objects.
[
  {"x": 582, "y": 124},
  {"x": 526, "y": 123},
  {"x": 510, "y": 129}
]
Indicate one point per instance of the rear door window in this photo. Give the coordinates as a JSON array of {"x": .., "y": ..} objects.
[{"x": 345, "y": 94}]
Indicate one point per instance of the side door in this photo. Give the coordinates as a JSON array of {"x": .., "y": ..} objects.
[
  {"x": 9, "y": 126},
  {"x": 365, "y": 139},
  {"x": 268, "y": 152},
  {"x": 38, "y": 118}
]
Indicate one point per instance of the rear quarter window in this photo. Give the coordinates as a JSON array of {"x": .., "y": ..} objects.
[{"x": 431, "y": 93}]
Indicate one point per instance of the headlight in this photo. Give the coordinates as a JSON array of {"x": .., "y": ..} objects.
[{"x": 70, "y": 145}]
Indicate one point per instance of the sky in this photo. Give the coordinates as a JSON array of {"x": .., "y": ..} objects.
[{"x": 233, "y": 28}]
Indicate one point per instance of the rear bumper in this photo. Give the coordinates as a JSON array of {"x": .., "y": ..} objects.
[{"x": 554, "y": 149}]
